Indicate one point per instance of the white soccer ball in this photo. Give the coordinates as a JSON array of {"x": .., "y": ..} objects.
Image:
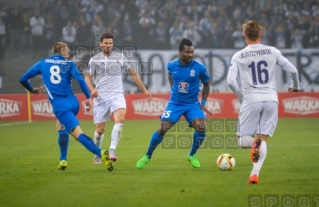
[{"x": 226, "y": 162}]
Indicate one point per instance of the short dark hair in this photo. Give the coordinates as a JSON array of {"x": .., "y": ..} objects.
[
  {"x": 184, "y": 42},
  {"x": 106, "y": 35}
]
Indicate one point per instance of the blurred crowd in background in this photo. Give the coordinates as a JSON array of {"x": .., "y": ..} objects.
[{"x": 154, "y": 24}]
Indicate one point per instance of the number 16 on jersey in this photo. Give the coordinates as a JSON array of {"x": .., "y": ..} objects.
[{"x": 261, "y": 73}]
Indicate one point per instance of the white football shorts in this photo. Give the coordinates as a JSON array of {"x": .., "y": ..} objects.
[
  {"x": 111, "y": 102},
  {"x": 258, "y": 117}
]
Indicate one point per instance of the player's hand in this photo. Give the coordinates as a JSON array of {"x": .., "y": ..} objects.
[
  {"x": 37, "y": 90},
  {"x": 206, "y": 110},
  {"x": 148, "y": 94},
  {"x": 94, "y": 93},
  {"x": 88, "y": 104},
  {"x": 292, "y": 90}
]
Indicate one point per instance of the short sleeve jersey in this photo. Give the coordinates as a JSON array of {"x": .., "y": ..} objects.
[
  {"x": 107, "y": 71},
  {"x": 187, "y": 80}
]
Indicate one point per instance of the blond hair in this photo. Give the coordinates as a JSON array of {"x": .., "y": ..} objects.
[
  {"x": 57, "y": 47},
  {"x": 252, "y": 29}
]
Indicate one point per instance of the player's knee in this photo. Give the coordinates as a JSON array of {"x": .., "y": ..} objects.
[
  {"x": 100, "y": 129},
  {"x": 161, "y": 132},
  {"x": 200, "y": 126},
  {"x": 120, "y": 119},
  {"x": 76, "y": 131},
  {"x": 119, "y": 115},
  {"x": 59, "y": 126},
  {"x": 165, "y": 126}
]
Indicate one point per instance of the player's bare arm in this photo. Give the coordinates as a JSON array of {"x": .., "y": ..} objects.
[
  {"x": 170, "y": 80},
  {"x": 88, "y": 80},
  {"x": 139, "y": 83},
  {"x": 205, "y": 92}
]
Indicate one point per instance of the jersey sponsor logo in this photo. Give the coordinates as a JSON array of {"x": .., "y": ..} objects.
[
  {"x": 183, "y": 87},
  {"x": 155, "y": 107},
  {"x": 301, "y": 105},
  {"x": 42, "y": 108},
  {"x": 214, "y": 105},
  {"x": 9, "y": 108},
  {"x": 192, "y": 73},
  {"x": 236, "y": 105}
]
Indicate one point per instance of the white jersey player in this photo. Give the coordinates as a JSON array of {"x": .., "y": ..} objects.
[
  {"x": 256, "y": 65},
  {"x": 107, "y": 68}
]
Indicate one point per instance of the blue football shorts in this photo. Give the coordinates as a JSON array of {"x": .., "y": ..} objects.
[
  {"x": 173, "y": 112},
  {"x": 65, "y": 110}
]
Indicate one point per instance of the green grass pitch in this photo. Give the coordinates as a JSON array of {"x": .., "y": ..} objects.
[{"x": 29, "y": 175}]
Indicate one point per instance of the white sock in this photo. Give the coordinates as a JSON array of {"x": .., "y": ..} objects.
[
  {"x": 245, "y": 141},
  {"x": 98, "y": 139},
  {"x": 262, "y": 156},
  {"x": 116, "y": 135}
]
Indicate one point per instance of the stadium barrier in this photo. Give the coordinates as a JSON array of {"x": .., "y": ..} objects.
[
  {"x": 22, "y": 107},
  {"x": 151, "y": 66}
]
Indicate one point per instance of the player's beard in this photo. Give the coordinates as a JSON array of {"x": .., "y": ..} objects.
[
  {"x": 107, "y": 51},
  {"x": 188, "y": 60}
]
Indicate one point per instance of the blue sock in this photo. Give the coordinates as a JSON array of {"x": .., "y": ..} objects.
[
  {"x": 63, "y": 141},
  {"x": 155, "y": 140},
  {"x": 198, "y": 139},
  {"x": 88, "y": 143}
]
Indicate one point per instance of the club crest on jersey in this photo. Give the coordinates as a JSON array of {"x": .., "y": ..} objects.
[
  {"x": 183, "y": 87},
  {"x": 192, "y": 73}
]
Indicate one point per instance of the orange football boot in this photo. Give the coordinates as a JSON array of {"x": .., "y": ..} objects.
[{"x": 253, "y": 179}]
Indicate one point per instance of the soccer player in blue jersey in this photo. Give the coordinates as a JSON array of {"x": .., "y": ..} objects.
[
  {"x": 184, "y": 75},
  {"x": 57, "y": 73}
]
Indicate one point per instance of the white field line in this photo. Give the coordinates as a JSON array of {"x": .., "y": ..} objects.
[
  {"x": 293, "y": 145},
  {"x": 14, "y": 123}
]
